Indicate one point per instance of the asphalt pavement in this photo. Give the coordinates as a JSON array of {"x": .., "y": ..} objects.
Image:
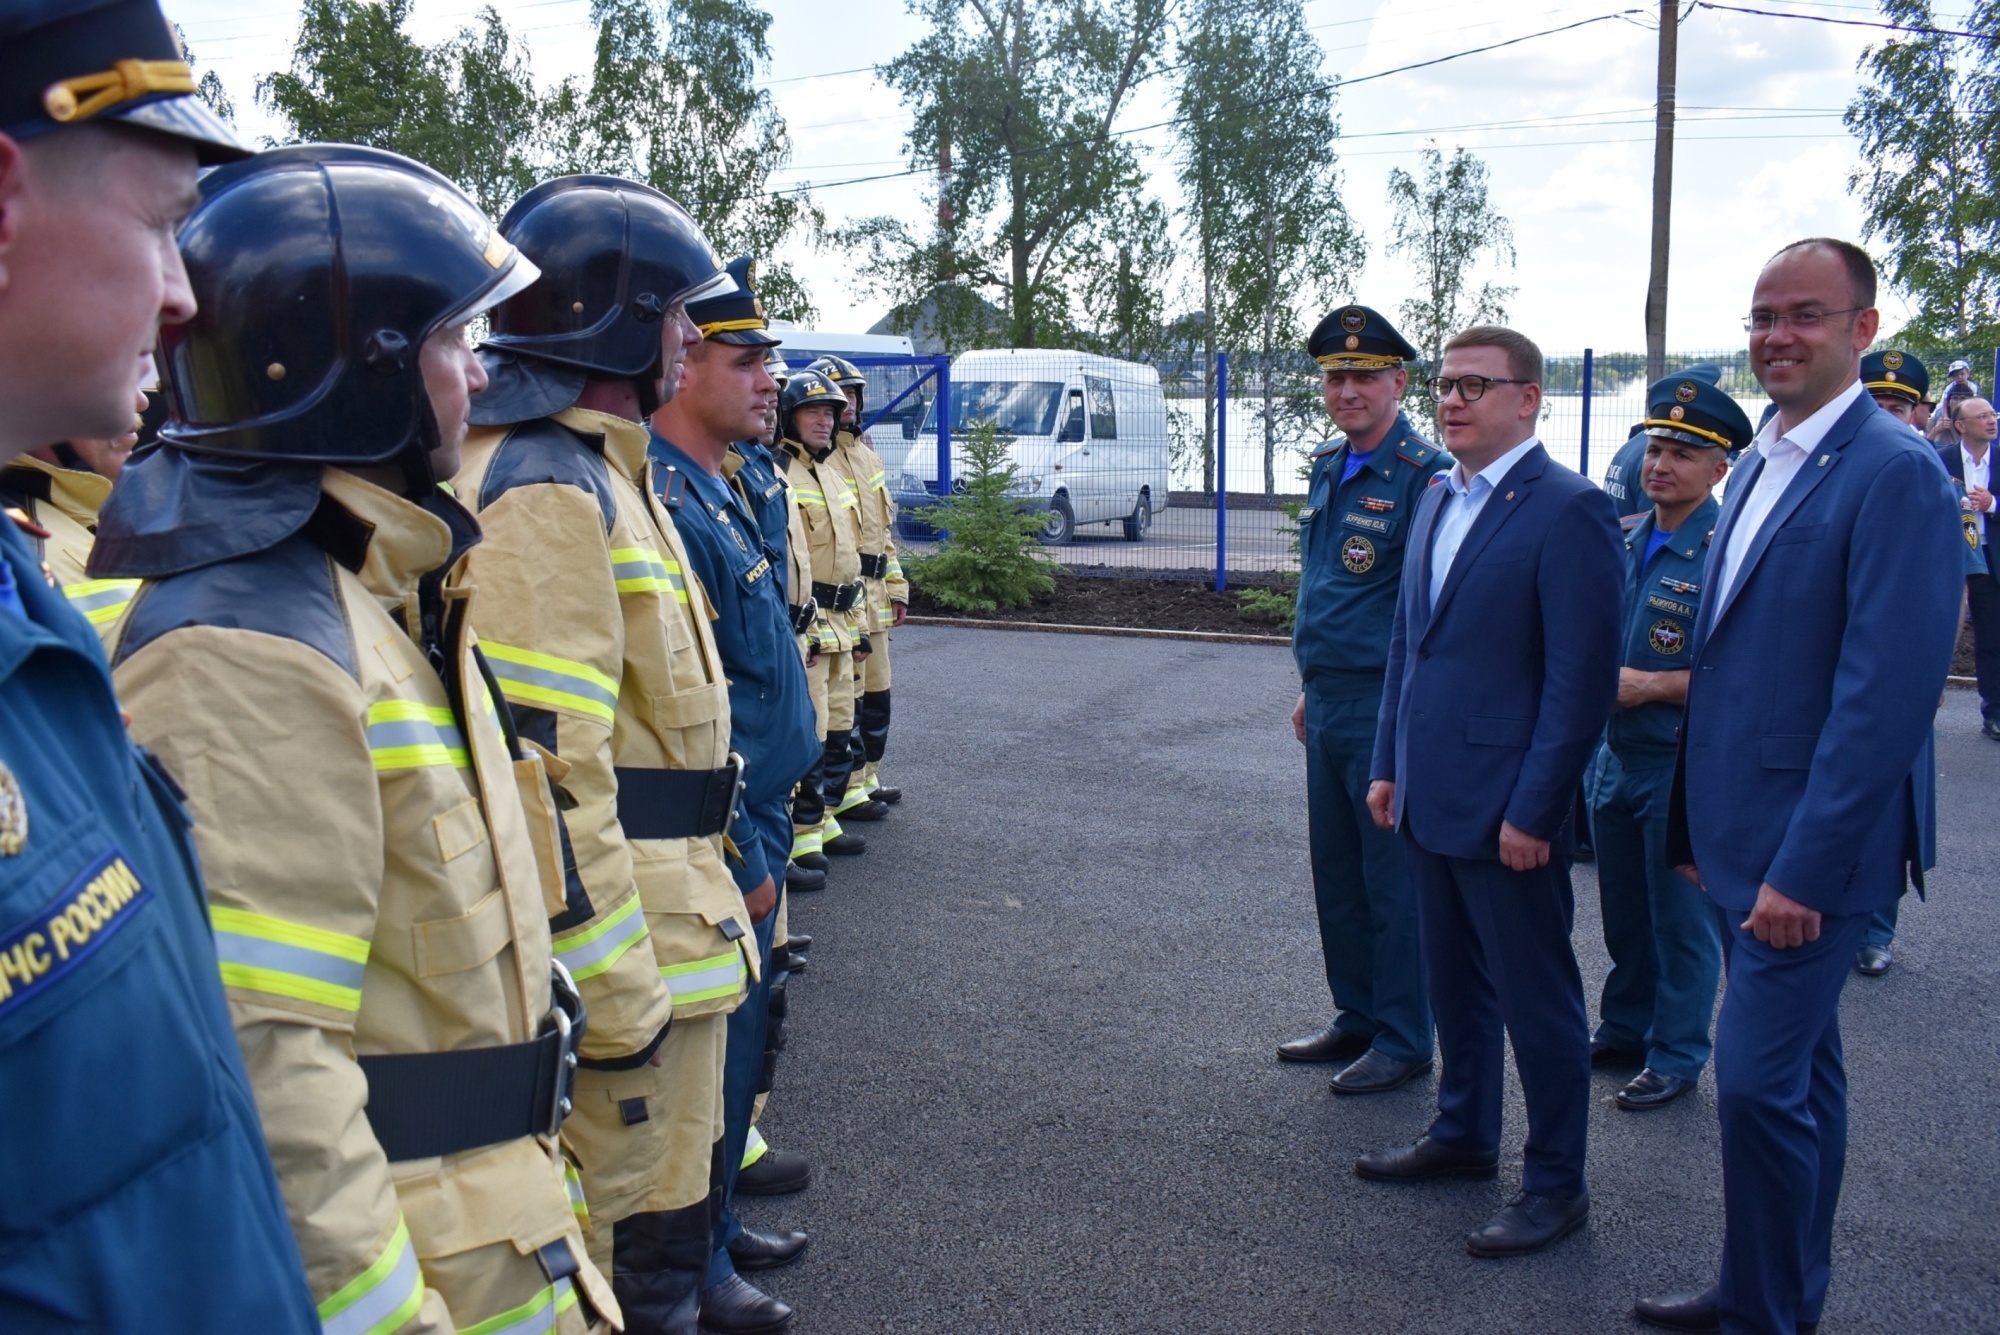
[{"x": 1032, "y": 1061}]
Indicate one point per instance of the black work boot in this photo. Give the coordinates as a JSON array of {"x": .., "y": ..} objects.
[{"x": 659, "y": 1262}]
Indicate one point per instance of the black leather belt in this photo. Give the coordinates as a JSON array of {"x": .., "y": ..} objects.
[
  {"x": 425, "y": 1104},
  {"x": 678, "y": 803},
  {"x": 874, "y": 565},
  {"x": 804, "y": 615},
  {"x": 839, "y": 597}
]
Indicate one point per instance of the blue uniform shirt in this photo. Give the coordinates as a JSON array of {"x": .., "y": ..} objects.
[
  {"x": 1621, "y": 477},
  {"x": 770, "y": 710},
  {"x": 1352, "y": 532},
  {"x": 760, "y": 483},
  {"x": 140, "y": 1193},
  {"x": 1663, "y": 595}
]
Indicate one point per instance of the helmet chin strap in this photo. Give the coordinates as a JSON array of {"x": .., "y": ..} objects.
[
  {"x": 647, "y": 387},
  {"x": 415, "y": 457}
]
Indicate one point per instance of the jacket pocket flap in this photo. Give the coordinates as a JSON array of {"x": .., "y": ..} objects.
[
  {"x": 686, "y": 709},
  {"x": 1496, "y": 730},
  {"x": 1803, "y": 533},
  {"x": 1788, "y": 752},
  {"x": 459, "y": 830},
  {"x": 452, "y": 945}
]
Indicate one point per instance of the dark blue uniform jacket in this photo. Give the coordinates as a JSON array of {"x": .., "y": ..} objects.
[{"x": 1662, "y": 599}]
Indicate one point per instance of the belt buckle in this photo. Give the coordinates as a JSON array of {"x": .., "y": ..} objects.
[
  {"x": 567, "y": 1017},
  {"x": 737, "y": 764}
]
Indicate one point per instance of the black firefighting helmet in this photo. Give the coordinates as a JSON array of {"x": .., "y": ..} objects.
[
  {"x": 804, "y": 388},
  {"x": 616, "y": 256},
  {"x": 777, "y": 367},
  {"x": 319, "y": 271},
  {"x": 845, "y": 375}
]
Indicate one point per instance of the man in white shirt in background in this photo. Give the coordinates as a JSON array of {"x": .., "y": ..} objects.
[{"x": 1971, "y": 463}]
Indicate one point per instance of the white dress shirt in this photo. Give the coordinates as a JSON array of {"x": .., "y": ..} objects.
[
  {"x": 1978, "y": 473},
  {"x": 1457, "y": 511},
  {"x": 1783, "y": 457}
]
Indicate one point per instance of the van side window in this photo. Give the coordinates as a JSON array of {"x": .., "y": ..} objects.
[{"x": 1103, "y": 408}]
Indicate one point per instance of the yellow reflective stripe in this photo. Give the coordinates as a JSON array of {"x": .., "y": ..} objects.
[
  {"x": 543, "y": 679},
  {"x": 848, "y": 500},
  {"x": 879, "y": 482},
  {"x": 289, "y": 959},
  {"x": 754, "y": 1148},
  {"x": 404, "y": 734},
  {"x": 380, "y": 1298},
  {"x": 100, "y": 600},
  {"x": 539, "y": 1314},
  {"x": 573, "y": 1184},
  {"x": 598, "y": 947},
  {"x": 706, "y": 980},
  {"x": 807, "y": 496}
]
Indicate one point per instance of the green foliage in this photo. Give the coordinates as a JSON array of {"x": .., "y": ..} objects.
[
  {"x": 1045, "y": 216},
  {"x": 671, "y": 100},
  {"x": 1924, "y": 122},
  {"x": 987, "y": 557},
  {"x": 1444, "y": 223},
  {"x": 1282, "y": 603}
]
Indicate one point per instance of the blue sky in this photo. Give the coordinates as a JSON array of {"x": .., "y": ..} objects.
[{"x": 1564, "y": 123}]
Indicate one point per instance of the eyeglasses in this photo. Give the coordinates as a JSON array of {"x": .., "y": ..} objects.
[
  {"x": 1763, "y": 322},
  {"x": 1472, "y": 387}
]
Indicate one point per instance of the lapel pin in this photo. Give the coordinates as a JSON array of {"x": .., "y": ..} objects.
[
  {"x": 1823, "y": 459},
  {"x": 1510, "y": 495}
]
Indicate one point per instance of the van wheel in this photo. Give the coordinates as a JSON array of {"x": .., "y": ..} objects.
[
  {"x": 1059, "y": 526},
  {"x": 1140, "y": 519}
]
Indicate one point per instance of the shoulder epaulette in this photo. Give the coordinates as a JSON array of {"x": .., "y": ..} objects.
[
  {"x": 1416, "y": 450},
  {"x": 545, "y": 452},
  {"x": 1632, "y": 521},
  {"x": 673, "y": 491}
]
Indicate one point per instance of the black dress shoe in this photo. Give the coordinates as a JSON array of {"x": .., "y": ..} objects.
[
  {"x": 786, "y": 960},
  {"x": 1872, "y": 961},
  {"x": 737, "y": 1307},
  {"x": 1375, "y": 1072},
  {"x": 1610, "y": 1054},
  {"x": 777, "y": 1173},
  {"x": 872, "y": 809},
  {"x": 751, "y": 1250},
  {"x": 1695, "y": 1312},
  {"x": 889, "y": 795},
  {"x": 846, "y": 845},
  {"x": 1991, "y": 728},
  {"x": 1649, "y": 1089},
  {"x": 799, "y": 942},
  {"x": 1328, "y": 1045},
  {"x": 811, "y": 861},
  {"x": 1427, "y": 1159},
  {"x": 1528, "y": 1223},
  {"x": 803, "y": 879}
]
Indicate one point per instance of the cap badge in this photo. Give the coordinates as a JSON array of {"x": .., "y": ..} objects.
[
  {"x": 1353, "y": 321},
  {"x": 1892, "y": 360},
  {"x": 1889, "y": 376},
  {"x": 1685, "y": 391},
  {"x": 13, "y": 814},
  {"x": 1353, "y": 342},
  {"x": 1677, "y": 412}
]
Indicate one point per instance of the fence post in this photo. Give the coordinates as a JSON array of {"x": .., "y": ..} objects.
[
  {"x": 943, "y": 365},
  {"x": 1992, "y": 386},
  {"x": 1583, "y": 455},
  {"x": 1221, "y": 471}
]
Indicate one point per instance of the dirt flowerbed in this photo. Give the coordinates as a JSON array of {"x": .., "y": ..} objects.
[{"x": 1111, "y": 600}]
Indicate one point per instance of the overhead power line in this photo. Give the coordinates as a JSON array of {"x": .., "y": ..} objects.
[{"x": 1846, "y": 23}]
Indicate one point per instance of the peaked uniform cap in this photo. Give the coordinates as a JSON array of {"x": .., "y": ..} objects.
[
  {"x": 1355, "y": 338},
  {"x": 1895, "y": 372},
  {"x": 83, "y": 62},
  {"x": 737, "y": 314},
  {"x": 1695, "y": 411}
]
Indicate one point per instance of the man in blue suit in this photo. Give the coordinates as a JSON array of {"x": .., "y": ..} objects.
[
  {"x": 1503, "y": 665},
  {"x": 1804, "y": 778}
]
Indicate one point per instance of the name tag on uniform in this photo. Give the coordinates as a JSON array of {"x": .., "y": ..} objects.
[
  {"x": 1308, "y": 511},
  {"x": 1368, "y": 522},
  {"x": 757, "y": 572},
  {"x": 67, "y": 930},
  {"x": 1655, "y": 601}
]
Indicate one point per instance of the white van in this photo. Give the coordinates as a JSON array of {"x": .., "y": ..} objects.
[{"x": 1089, "y": 436}]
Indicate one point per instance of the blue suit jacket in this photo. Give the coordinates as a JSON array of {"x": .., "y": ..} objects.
[
  {"x": 1804, "y": 756},
  {"x": 1494, "y": 699}
]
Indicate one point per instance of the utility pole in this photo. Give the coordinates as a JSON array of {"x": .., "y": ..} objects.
[{"x": 1663, "y": 192}]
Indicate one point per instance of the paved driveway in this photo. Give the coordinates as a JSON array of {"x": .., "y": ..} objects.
[{"x": 1032, "y": 1056}]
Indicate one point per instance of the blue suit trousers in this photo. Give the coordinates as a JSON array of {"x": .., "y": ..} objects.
[
  {"x": 1661, "y": 930},
  {"x": 1497, "y": 947},
  {"x": 743, "y": 1064},
  {"x": 1781, "y": 1096},
  {"x": 1368, "y": 931}
]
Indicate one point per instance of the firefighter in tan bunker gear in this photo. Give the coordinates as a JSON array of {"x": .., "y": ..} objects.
[
  {"x": 601, "y": 643},
  {"x": 380, "y": 855}
]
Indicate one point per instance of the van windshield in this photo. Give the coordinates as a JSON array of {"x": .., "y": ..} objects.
[{"x": 1017, "y": 407}]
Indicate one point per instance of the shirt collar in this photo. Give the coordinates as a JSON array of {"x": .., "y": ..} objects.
[
  {"x": 1806, "y": 436},
  {"x": 1492, "y": 473},
  {"x": 1965, "y": 452}
]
